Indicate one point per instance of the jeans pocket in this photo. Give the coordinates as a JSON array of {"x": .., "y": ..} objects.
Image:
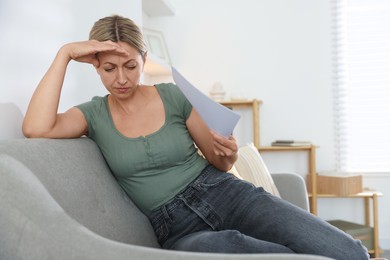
[{"x": 162, "y": 231}]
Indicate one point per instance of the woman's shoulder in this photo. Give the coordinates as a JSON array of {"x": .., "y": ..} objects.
[
  {"x": 167, "y": 86},
  {"x": 169, "y": 89},
  {"x": 172, "y": 95},
  {"x": 97, "y": 100},
  {"x": 95, "y": 103}
]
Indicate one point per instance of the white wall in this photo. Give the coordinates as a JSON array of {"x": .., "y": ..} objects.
[
  {"x": 33, "y": 31},
  {"x": 278, "y": 51}
]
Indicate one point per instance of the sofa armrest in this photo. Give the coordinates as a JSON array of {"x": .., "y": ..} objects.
[{"x": 292, "y": 187}]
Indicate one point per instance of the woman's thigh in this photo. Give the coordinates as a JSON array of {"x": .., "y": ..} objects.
[{"x": 226, "y": 241}]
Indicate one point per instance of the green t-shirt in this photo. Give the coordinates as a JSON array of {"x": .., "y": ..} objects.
[{"x": 151, "y": 169}]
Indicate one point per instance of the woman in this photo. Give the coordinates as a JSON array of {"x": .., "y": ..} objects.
[{"x": 149, "y": 137}]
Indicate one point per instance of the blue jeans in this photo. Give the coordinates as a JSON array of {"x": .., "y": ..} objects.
[{"x": 221, "y": 213}]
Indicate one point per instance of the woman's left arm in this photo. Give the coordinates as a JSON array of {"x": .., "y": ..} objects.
[{"x": 218, "y": 150}]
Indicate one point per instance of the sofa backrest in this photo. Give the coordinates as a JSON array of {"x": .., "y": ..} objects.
[
  {"x": 11, "y": 118},
  {"x": 77, "y": 177}
]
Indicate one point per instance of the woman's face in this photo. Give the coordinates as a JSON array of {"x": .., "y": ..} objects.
[{"x": 121, "y": 74}]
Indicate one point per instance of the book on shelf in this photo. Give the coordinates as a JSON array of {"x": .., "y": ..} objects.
[{"x": 290, "y": 143}]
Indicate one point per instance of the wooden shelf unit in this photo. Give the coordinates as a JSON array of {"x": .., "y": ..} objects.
[{"x": 311, "y": 150}]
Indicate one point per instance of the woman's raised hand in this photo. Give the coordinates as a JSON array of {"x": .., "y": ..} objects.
[
  {"x": 86, "y": 51},
  {"x": 42, "y": 118}
]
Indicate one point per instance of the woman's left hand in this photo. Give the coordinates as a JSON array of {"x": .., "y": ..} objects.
[
  {"x": 222, "y": 146},
  {"x": 218, "y": 150}
]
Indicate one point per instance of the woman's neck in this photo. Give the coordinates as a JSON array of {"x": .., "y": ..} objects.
[{"x": 138, "y": 100}]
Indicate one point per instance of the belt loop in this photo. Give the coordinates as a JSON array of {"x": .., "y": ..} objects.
[{"x": 165, "y": 212}]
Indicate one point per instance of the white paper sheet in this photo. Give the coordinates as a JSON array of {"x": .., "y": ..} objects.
[{"x": 218, "y": 117}]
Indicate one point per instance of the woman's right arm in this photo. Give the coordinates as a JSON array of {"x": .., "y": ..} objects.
[{"x": 42, "y": 119}]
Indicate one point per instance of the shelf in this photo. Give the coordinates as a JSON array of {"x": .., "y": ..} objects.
[
  {"x": 286, "y": 148},
  {"x": 154, "y": 66},
  {"x": 242, "y": 103},
  {"x": 155, "y": 8},
  {"x": 364, "y": 194}
]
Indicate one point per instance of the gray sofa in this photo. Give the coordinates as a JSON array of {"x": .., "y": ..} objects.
[{"x": 58, "y": 200}]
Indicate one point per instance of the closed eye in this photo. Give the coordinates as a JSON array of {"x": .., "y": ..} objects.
[
  {"x": 109, "y": 69},
  {"x": 131, "y": 67}
]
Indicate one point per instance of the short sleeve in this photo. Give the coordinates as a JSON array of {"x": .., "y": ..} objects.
[
  {"x": 176, "y": 97},
  {"x": 92, "y": 110}
]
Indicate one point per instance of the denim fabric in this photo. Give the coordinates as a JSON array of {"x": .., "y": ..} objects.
[{"x": 220, "y": 213}]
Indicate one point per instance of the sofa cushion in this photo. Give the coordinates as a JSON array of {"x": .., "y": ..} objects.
[
  {"x": 77, "y": 177},
  {"x": 251, "y": 167}
]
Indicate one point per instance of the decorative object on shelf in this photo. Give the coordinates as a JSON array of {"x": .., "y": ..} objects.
[
  {"x": 237, "y": 96},
  {"x": 217, "y": 92},
  {"x": 290, "y": 143},
  {"x": 156, "y": 44}
]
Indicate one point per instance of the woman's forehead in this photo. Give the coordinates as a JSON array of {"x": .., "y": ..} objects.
[{"x": 115, "y": 57}]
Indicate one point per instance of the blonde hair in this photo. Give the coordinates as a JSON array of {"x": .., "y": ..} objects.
[{"x": 118, "y": 29}]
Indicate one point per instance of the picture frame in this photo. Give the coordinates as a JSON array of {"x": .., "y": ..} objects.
[{"x": 156, "y": 45}]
